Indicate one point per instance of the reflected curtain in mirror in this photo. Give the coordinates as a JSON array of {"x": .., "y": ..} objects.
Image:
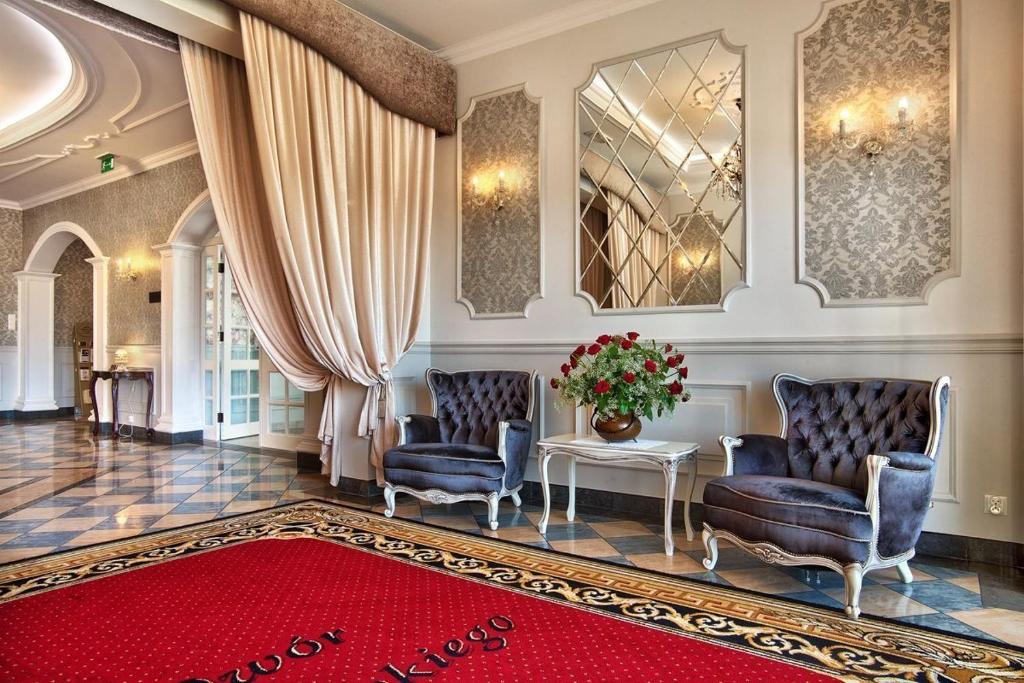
[{"x": 662, "y": 222}]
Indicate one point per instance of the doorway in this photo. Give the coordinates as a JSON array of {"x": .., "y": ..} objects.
[{"x": 231, "y": 356}]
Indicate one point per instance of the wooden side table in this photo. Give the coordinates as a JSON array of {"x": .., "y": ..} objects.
[
  {"x": 665, "y": 454},
  {"x": 115, "y": 377}
]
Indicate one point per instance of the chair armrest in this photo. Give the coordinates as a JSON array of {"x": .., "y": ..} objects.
[
  {"x": 418, "y": 429},
  {"x": 898, "y": 498},
  {"x": 758, "y": 454},
  {"x": 514, "y": 439},
  {"x": 909, "y": 461}
]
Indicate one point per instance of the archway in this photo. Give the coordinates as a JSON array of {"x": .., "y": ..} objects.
[{"x": 36, "y": 318}]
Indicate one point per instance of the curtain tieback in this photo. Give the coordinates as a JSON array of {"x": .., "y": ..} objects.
[{"x": 378, "y": 395}]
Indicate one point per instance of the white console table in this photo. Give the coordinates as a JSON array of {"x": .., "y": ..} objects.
[{"x": 665, "y": 454}]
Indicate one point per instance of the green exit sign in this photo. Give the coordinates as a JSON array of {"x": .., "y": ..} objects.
[{"x": 106, "y": 163}]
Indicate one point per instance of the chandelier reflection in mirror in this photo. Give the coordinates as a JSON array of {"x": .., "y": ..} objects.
[{"x": 661, "y": 195}]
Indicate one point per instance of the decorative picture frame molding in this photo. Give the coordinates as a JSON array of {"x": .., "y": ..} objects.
[
  {"x": 461, "y": 296},
  {"x": 746, "y": 277},
  {"x": 955, "y": 140}
]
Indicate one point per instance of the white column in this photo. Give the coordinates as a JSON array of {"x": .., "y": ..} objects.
[
  {"x": 35, "y": 341},
  {"x": 180, "y": 388},
  {"x": 100, "y": 285}
]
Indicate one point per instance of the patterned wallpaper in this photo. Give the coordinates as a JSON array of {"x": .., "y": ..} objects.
[
  {"x": 879, "y": 236},
  {"x": 501, "y": 268},
  {"x": 126, "y": 218},
  {"x": 72, "y": 292},
  {"x": 10, "y": 262}
]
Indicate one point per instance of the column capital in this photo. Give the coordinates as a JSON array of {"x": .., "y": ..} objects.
[
  {"x": 35, "y": 275},
  {"x": 98, "y": 261},
  {"x": 170, "y": 247}
]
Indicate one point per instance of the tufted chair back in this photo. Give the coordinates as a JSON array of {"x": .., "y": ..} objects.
[
  {"x": 470, "y": 404},
  {"x": 832, "y": 426}
]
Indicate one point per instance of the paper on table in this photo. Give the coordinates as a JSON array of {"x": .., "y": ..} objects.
[{"x": 639, "y": 444}]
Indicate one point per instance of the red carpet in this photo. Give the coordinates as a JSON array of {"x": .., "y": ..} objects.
[{"x": 205, "y": 615}]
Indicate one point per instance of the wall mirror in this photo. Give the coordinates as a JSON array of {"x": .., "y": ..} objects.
[{"x": 661, "y": 212}]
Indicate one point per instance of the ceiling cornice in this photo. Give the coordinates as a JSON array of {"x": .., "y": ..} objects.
[
  {"x": 144, "y": 164},
  {"x": 549, "y": 24}
]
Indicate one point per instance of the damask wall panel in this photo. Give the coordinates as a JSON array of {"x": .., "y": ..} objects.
[
  {"x": 10, "y": 262},
  {"x": 72, "y": 292},
  {"x": 878, "y": 230},
  {"x": 500, "y": 214},
  {"x": 126, "y": 218}
]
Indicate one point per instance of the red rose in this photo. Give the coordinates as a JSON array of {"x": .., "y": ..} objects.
[
  {"x": 573, "y": 362},
  {"x": 580, "y": 350},
  {"x": 565, "y": 369},
  {"x": 679, "y": 358},
  {"x": 668, "y": 348},
  {"x": 604, "y": 340},
  {"x": 684, "y": 372},
  {"x": 628, "y": 377},
  {"x": 626, "y": 345},
  {"x": 671, "y": 361},
  {"x": 650, "y": 365},
  {"x": 602, "y": 387},
  {"x": 594, "y": 349},
  {"x": 675, "y": 388},
  {"x": 633, "y": 336},
  {"x": 554, "y": 382}
]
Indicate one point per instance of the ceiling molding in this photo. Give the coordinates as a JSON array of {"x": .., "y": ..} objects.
[
  {"x": 144, "y": 164},
  {"x": 549, "y": 24}
]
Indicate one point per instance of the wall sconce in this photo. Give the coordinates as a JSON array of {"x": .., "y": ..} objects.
[
  {"x": 490, "y": 190},
  {"x": 875, "y": 143},
  {"x": 125, "y": 270}
]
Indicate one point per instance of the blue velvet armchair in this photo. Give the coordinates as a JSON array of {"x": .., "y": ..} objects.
[
  {"x": 474, "y": 446},
  {"x": 846, "y": 485}
]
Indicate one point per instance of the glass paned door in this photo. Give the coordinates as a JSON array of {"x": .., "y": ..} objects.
[
  {"x": 291, "y": 415},
  {"x": 241, "y": 367}
]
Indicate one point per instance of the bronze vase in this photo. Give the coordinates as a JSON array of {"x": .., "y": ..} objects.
[{"x": 619, "y": 427}]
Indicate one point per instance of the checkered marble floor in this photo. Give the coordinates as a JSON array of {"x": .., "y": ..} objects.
[{"x": 61, "y": 488}]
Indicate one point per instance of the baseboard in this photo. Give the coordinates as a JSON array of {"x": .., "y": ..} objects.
[
  {"x": 359, "y": 487},
  {"x": 649, "y": 509},
  {"x": 68, "y": 411},
  {"x": 195, "y": 436}
]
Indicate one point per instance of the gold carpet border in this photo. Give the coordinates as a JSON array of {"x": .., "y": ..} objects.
[{"x": 812, "y": 637}]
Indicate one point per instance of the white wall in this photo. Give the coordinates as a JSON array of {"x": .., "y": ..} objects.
[{"x": 971, "y": 328}]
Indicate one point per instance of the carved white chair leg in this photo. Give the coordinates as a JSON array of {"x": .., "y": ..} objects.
[
  {"x": 853, "y": 573},
  {"x": 711, "y": 548},
  {"x": 903, "y": 568},
  {"x": 492, "y": 511},
  {"x": 389, "y": 501},
  {"x": 516, "y": 499}
]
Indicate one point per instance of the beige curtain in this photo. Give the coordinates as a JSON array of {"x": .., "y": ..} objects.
[
  {"x": 634, "y": 275},
  {"x": 349, "y": 188}
]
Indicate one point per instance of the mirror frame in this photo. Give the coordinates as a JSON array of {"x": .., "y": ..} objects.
[{"x": 745, "y": 271}]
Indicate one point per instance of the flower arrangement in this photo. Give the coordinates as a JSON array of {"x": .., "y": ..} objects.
[{"x": 620, "y": 375}]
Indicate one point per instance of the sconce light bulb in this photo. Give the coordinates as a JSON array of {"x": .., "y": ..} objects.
[
  {"x": 904, "y": 104},
  {"x": 844, "y": 115},
  {"x": 501, "y": 174}
]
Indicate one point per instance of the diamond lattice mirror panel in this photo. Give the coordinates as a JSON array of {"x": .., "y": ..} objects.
[
  {"x": 662, "y": 220},
  {"x": 500, "y": 208},
  {"x": 878, "y": 204}
]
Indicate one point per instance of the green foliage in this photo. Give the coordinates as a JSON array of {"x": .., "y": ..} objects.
[{"x": 648, "y": 394}]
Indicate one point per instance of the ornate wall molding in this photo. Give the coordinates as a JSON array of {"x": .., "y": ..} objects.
[
  {"x": 885, "y": 238},
  {"x": 500, "y": 250}
]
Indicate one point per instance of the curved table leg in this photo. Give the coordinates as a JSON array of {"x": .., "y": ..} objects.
[
  {"x": 95, "y": 406},
  {"x": 149, "y": 407},
  {"x": 570, "y": 510},
  {"x": 669, "y": 469},
  {"x": 545, "y": 486},
  {"x": 116, "y": 431},
  {"x": 689, "y": 497}
]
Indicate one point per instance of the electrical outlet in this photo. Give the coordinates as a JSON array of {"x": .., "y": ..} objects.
[
  {"x": 131, "y": 419},
  {"x": 996, "y": 505},
  {"x": 12, "y": 322}
]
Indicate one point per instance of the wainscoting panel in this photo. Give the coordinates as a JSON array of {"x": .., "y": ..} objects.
[
  {"x": 731, "y": 385},
  {"x": 8, "y": 376},
  {"x": 64, "y": 376}
]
